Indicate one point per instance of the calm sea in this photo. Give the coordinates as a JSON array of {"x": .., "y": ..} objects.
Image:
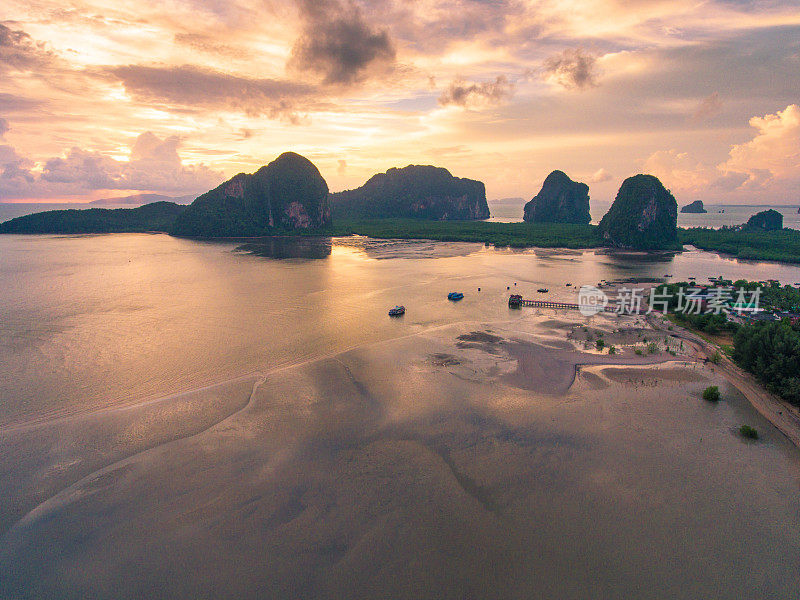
[
  {"x": 96, "y": 320},
  {"x": 322, "y": 480}
]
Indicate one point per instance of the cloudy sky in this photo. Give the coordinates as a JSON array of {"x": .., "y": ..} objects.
[{"x": 101, "y": 98}]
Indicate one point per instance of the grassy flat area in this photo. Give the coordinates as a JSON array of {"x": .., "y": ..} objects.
[
  {"x": 516, "y": 235},
  {"x": 781, "y": 246},
  {"x": 723, "y": 339}
]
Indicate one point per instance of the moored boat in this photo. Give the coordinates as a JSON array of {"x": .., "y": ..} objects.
[
  {"x": 455, "y": 296},
  {"x": 515, "y": 300},
  {"x": 542, "y": 290},
  {"x": 397, "y": 311}
]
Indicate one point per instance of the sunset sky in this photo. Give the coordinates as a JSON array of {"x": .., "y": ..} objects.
[{"x": 102, "y": 98}]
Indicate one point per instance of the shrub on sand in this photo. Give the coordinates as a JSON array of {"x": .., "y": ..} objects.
[
  {"x": 711, "y": 394},
  {"x": 748, "y": 432}
]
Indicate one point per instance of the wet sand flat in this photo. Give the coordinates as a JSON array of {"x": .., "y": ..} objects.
[{"x": 475, "y": 460}]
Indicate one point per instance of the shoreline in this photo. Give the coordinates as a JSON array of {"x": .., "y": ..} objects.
[{"x": 784, "y": 416}]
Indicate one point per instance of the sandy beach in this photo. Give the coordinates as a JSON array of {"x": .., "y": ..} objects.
[{"x": 481, "y": 459}]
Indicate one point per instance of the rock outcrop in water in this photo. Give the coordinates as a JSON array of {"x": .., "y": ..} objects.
[
  {"x": 644, "y": 216},
  {"x": 156, "y": 216},
  {"x": 418, "y": 192},
  {"x": 694, "y": 207},
  {"x": 560, "y": 200},
  {"x": 287, "y": 194},
  {"x": 767, "y": 220}
]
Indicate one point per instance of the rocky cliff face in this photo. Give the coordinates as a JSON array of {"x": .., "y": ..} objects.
[
  {"x": 419, "y": 192},
  {"x": 560, "y": 200},
  {"x": 287, "y": 194},
  {"x": 768, "y": 220},
  {"x": 644, "y": 216},
  {"x": 694, "y": 207}
]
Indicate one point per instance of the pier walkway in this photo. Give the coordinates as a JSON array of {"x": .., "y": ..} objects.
[{"x": 551, "y": 304}]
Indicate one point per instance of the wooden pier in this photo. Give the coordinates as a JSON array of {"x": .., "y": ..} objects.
[{"x": 556, "y": 305}]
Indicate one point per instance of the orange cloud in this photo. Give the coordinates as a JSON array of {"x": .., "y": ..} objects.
[
  {"x": 768, "y": 163},
  {"x": 775, "y": 149}
]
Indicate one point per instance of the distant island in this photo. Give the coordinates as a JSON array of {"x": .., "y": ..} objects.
[
  {"x": 694, "y": 207},
  {"x": 157, "y": 216},
  {"x": 140, "y": 199},
  {"x": 287, "y": 194},
  {"x": 644, "y": 216},
  {"x": 416, "y": 192},
  {"x": 560, "y": 200}
]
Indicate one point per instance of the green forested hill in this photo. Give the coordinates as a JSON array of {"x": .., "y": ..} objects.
[{"x": 156, "y": 216}]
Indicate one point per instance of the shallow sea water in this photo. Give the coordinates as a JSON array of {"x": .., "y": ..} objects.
[{"x": 192, "y": 420}]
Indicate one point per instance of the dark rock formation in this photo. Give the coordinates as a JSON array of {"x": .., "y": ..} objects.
[
  {"x": 287, "y": 194},
  {"x": 644, "y": 216},
  {"x": 767, "y": 220},
  {"x": 419, "y": 192},
  {"x": 156, "y": 216},
  {"x": 560, "y": 200},
  {"x": 694, "y": 207}
]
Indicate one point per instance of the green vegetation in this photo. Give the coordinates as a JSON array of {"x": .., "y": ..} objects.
[
  {"x": 156, "y": 216},
  {"x": 771, "y": 352},
  {"x": 287, "y": 194},
  {"x": 752, "y": 244},
  {"x": 748, "y": 432},
  {"x": 422, "y": 192},
  {"x": 227, "y": 218},
  {"x": 515, "y": 235},
  {"x": 652, "y": 348},
  {"x": 560, "y": 200},
  {"x": 774, "y": 296},
  {"x": 612, "y": 350},
  {"x": 768, "y": 220},
  {"x": 600, "y": 344},
  {"x": 643, "y": 216},
  {"x": 708, "y": 323},
  {"x": 711, "y": 394}
]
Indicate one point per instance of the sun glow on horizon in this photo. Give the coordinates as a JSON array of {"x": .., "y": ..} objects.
[{"x": 701, "y": 94}]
